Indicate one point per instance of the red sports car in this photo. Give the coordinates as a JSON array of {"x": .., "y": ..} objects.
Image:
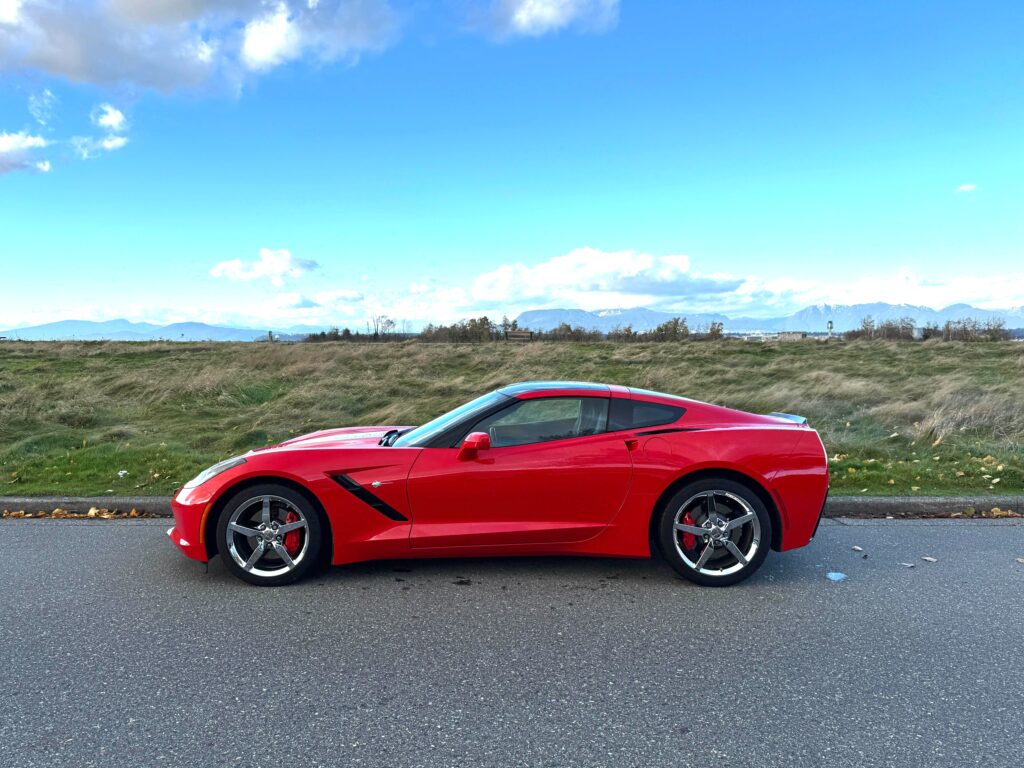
[{"x": 539, "y": 468}]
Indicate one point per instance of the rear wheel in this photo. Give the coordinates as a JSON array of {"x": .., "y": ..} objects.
[
  {"x": 269, "y": 535},
  {"x": 715, "y": 532}
]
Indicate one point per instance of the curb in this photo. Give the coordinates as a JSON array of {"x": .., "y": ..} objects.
[
  {"x": 837, "y": 506},
  {"x": 154, "y": 505},
  {"x": 917, "y": 506}
]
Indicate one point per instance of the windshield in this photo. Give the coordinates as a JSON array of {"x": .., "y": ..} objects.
[{"x": 422, "y": 435}]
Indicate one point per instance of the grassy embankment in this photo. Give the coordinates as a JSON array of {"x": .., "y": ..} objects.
[{"x": 897, "y": 418}]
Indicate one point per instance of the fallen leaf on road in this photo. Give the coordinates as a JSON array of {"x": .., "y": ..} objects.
[
  {"x": 928, "y": 559},
  {"x": 855, "y": 548},
  {"x": 907, "y": 565},
  {"x": 835, "y": 576},
  {"x": 1020, "y": 560}
]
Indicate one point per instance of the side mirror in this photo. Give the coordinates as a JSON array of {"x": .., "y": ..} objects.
[{"x": 473, "y": 444}]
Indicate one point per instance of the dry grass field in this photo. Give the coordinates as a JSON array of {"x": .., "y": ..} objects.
[{"x": 98, "y": 417}]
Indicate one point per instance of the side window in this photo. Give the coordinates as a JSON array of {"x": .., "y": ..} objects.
[
  {"x": 632, "y": 414},
  {"x": 542, "y": 419}
]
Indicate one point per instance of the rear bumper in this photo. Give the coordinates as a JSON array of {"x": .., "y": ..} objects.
[
  {"x": 821, "y": 513},
  {"x": 187, "y": 532}
]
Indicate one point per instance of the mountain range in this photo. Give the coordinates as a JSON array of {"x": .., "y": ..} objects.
[
  {"x": 813, "y": 319},
  {"x": 124, "y": 330}
]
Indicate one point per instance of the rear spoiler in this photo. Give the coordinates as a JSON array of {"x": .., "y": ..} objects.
[{"x": 789, "y": 417}]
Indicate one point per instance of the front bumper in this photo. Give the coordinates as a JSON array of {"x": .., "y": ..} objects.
[{"x": 189, "y": 521}]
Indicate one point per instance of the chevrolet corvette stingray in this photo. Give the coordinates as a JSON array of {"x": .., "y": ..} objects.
[{"x": 537, "y": 468}]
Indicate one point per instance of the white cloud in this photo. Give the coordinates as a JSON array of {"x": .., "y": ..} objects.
[
  {"x": 16, "y": 150},
  {"x": 276, "y": 265},
  {"x": 18, "y": 142},
  {"x": 113, "y": 142},
  {"x": 40, "y": 105},
  {"x": 533, "y": 18},
  {"x": 270, "y": 40},
  {"x": 103, "y": 116},
  {"x": 590, "y": 278},
  {"x": 9, "y": 11},
  {"x": 902, "y": 286},
  {"x": 967, "y": 188},
  {"x": 169, "y": 44},
  {"x": 43, "y": 166},
  {"x": 338, "y": 295},
  {"x": 593, "y": 279},
  {"x": 616, "y": 279},
  {"x": 88, "y": 147},
  {"x": 109, "y": 117}
]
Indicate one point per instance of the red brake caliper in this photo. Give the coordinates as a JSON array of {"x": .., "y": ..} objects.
[
  {"x": 689, "y": 540},
  {"x": 292, "y": 539}
]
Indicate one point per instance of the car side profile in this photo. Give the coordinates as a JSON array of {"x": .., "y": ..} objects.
[{"x": 536, "y": 468}]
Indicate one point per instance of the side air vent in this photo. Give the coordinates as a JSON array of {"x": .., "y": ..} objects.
[{"x": 368, "y": 498}]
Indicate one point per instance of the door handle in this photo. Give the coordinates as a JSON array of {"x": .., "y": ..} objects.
[{"x": 632, "y": 443}]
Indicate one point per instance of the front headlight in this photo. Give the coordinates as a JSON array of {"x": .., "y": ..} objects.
[{"x": 213, "y": 471}]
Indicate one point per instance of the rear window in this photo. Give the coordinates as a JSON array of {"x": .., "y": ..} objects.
[{"x": 631, "y": 414}]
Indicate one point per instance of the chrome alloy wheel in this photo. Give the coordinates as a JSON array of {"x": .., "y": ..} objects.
[
  {"x": 716, "y": 533},
  {"x": 256, "y": 536}
]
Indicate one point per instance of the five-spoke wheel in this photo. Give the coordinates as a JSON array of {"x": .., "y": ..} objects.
[
  {"x": 715, "y": 532},
  {"x": 269, "y": 534}
]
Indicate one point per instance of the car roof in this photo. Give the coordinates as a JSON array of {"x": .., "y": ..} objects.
[
  {"x": 564, "y": 388},
  {"x": 555, "y": 387}
]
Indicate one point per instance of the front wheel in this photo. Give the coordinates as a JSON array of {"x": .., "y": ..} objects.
[
  {"x": 269, "y": 535},
  {"x": 715, "y": 532}
]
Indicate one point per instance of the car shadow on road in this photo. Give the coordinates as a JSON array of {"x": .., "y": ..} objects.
[{"x": 780, "y": 568}]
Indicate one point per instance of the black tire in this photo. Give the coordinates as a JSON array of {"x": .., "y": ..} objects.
[
  {"x": 732, "y": 501},
  {"x": 287, "y": 508}
]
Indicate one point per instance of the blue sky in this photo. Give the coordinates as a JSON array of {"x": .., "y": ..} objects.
[{"x": 301, "y": 162}]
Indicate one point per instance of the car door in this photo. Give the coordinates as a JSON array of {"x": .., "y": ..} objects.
[{"x": 553, "y": 474}]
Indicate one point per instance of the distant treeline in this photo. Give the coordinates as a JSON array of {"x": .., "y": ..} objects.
[
  {"x": 480, "y": 329},
  {"x": 483, "y": 329},
  {"x": 952, "y": 330}
]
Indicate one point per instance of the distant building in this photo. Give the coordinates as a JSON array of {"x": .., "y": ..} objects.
[{"x": 792, "y": 335}]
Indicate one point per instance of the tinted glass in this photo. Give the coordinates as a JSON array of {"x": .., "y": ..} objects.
[
  {"x": 543, "y": 419},
  {"x": 631, "y": 414}
]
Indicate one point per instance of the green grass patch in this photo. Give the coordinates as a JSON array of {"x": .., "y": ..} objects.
[{"x": 896, "y": 418}]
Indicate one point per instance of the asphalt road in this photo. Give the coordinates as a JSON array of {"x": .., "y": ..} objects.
[{"x": 116, "y": 651}]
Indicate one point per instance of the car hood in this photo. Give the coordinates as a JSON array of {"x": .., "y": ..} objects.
[{"x": 345, "y": 437}]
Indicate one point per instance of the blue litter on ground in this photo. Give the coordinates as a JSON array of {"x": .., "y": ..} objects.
[{"x": 835, "y": 575}]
